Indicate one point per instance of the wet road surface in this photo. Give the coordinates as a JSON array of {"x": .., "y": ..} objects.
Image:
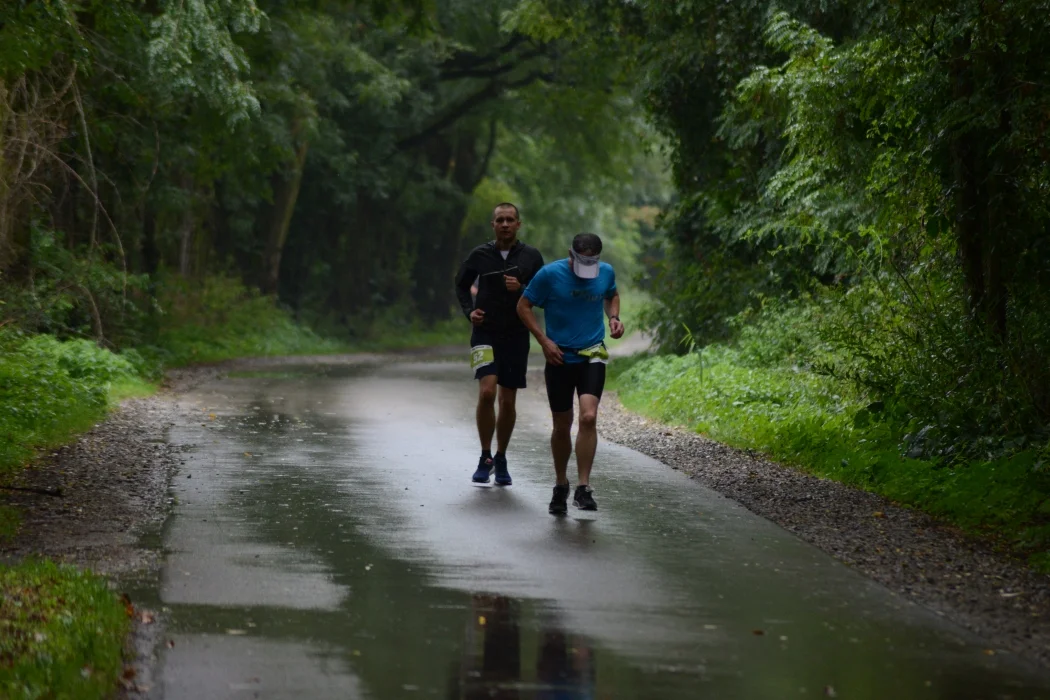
[{"x": 327, "y": 543}]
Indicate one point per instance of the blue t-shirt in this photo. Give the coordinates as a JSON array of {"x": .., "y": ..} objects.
[{"x": 573, "y": 306}]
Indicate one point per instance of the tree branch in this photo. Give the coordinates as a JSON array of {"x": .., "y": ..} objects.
[
  {"x": 495, "y": 72},
  {"x": 491, "y": 91},
  {"x": 484, "y": 167},
  {"x": 466, "y": 60}
]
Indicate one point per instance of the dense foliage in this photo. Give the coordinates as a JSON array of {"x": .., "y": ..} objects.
[
  {"x": 886, "y": 157},
  {"x": 339, "y": 155}
]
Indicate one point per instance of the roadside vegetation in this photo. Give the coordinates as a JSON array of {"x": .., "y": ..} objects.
[{"x": 783, "y": 388}]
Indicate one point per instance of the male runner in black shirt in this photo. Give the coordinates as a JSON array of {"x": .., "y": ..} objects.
[{"x": 499, "y": 343}]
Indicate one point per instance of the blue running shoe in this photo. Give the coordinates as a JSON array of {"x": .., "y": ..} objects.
[
  {"x": 502, "y": 475},
  {"x": 485, "y": 468}
]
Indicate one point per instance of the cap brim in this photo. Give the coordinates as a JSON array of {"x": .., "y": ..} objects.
[{"x": 587, "y": 272}]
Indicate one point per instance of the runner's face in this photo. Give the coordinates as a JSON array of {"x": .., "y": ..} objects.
[{"x": 505, "y": 224}]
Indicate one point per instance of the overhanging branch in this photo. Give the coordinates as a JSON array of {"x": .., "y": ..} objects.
[{"x": 491, "y": 91}]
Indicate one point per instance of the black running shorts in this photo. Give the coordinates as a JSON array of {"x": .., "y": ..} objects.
[
  {"x": 564, "y": 381},
  {"x": 508, "y": 358}
]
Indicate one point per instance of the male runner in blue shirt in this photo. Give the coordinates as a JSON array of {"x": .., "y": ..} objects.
[{"x": 572, "y": 293}]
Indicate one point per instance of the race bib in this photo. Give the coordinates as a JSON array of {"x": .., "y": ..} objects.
[
  {"x": 481, "y": 356},
  {"x": 596, "y": 353}
]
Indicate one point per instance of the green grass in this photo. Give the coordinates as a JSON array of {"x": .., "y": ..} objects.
[
  {"x": 824, "y": 427},
  {"x": 61, "y": 633}
]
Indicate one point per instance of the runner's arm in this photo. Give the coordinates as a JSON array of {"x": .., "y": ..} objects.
[
  {"x": 612, "y": 305},
  {"x": 464, "y": 278},
  {"x": 551, "y": 351},
  {"x": 612, "y": 310}
]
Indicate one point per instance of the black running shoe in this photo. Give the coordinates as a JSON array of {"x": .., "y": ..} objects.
[
  {"x": 484, "y": 471},
  {"x": 502, "y": 475},
  {"x": 560, "y": 501},
  {"x": 583, "y": 499}
]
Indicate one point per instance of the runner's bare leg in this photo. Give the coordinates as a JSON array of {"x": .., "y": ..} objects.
[
  {"x": 508, "y": 415},
  {"x": 486, "y": 411},
  {"x": 587, "y": 437},
  {"x": 561, "y": 444}
]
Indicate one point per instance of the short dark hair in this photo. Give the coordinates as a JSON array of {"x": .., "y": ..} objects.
[
  {"x": 508, "y": 205},
  {"x": 587, "y": 243}
]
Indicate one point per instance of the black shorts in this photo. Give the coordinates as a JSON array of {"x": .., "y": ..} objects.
[
  {"x": 510, "y": 357},
  {"x": 564, "y": 381}
]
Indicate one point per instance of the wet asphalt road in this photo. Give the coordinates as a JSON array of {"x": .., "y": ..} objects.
[{"x": 327, "y": 543}]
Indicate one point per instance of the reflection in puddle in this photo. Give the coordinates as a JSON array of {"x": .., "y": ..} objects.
[{"x": 493, "y": 668}]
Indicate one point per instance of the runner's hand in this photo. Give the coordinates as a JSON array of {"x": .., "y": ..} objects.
[
  {"x": 552, "y": 352},
  {"x": 513, "y": 283},
  {"x": 615, "y": 328},
  {"x": 477, "y": 317}
]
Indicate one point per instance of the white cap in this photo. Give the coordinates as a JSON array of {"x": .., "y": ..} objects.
[{"x": 585, "y": 266}]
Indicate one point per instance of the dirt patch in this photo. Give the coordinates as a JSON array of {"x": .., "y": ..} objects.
[{"x": 960, "y": 577}]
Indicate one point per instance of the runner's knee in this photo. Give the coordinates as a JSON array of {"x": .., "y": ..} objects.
[
  {"x": 588, "y": 419},
  {"x": 486, "y": 394}
]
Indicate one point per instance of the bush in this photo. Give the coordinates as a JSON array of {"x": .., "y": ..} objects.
[
  {"x": 218, "y": 318},
  {"x": 50, "y": 389}
]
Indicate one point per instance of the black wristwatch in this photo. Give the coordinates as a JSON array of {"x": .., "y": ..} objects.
[{"x": 616, "y": 317}]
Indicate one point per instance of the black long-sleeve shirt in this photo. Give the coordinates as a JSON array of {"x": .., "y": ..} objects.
[{"x": 485, "y": 264}]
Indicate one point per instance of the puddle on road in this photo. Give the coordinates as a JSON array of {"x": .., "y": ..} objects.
[{"x": 327, "y": 543}]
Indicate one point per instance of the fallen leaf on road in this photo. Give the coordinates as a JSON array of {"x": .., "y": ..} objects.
[
  {"x": 129, "y": 672},
  {"x": 171, "y": 643},
  {"x": 146, "y": 616},
  {"x": 878, "y": 514},
  {"x": 989, "y": 652},
  {"x": 758, "y": 633}
]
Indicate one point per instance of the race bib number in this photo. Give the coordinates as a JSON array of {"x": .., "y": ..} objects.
[
  {"x": 596, "y": 353},
  {"x": 481, "y": 356}
]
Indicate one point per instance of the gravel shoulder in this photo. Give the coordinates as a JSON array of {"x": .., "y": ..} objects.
[
  {"x": 935, "y": 565},
  {"x": 113, "y": 482}
]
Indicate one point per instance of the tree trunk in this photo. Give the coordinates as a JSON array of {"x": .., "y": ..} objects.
[
  {"x": 150, "y": 251},
  {"x": 970, "y": 203},
  {"x": 440, "y": 250},
  {"x": 186, "y": 229},
  {"x": 286, "y": 193}
]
